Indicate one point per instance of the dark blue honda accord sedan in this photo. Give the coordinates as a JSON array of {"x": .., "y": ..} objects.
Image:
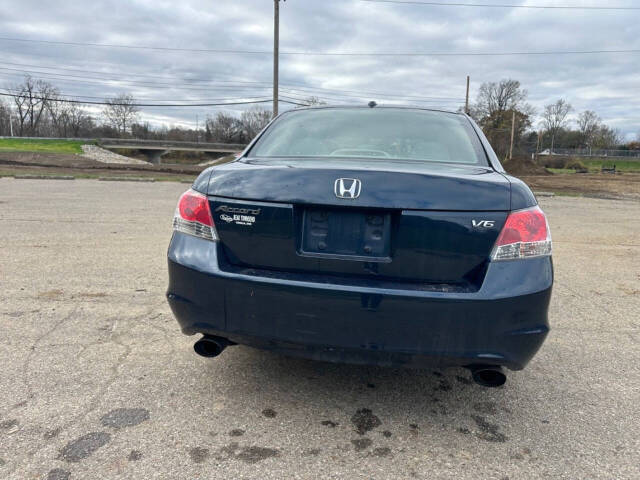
[{"x": 382, "y": 235}]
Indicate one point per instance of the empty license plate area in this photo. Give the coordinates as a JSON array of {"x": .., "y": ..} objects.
[{"x": 346, "y": 233}]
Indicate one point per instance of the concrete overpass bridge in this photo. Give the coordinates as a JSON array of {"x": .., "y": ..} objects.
[{"x": 155, "y": 149}]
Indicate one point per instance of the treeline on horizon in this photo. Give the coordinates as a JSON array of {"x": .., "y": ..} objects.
[{"x": 39, "y": 109}]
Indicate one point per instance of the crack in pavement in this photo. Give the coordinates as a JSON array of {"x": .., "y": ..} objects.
[{"x": 93, "y": 402}]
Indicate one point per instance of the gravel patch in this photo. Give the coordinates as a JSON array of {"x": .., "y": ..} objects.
[{"x": 106, "y": 156}]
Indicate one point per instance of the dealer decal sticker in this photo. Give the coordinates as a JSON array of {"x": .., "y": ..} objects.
[{"x": 239, "y": 216}]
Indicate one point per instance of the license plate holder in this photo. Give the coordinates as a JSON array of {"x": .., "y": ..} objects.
[{"x": 351, "y": 234}]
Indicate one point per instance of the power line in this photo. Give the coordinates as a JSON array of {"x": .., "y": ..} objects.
[
  {"x": 175, "y": 86},
  {"x": 194, "y": 81},
  {"x": 197, "y": 81},
  {"x": 153, "y": 104},
  {"x": 365, "y": 94},
  {"x": 136, "y": 47},
  {"x": 73, "y": 99},
  {"x": 199, "y": 100},
  {"x": 337, "y": 54},
  {"x": 292, "y": 95},
  {"x": 129, "y": 83},
  {"x": 298, "y": 94},
  {"x": 344, "y": 97},
  {"x": 307, "y": 91},
  {"x": 120, "y": 80},
  {"x": 496, "y": 5}
]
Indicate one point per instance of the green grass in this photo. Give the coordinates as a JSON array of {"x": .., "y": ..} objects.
[
  {"x": 561, "y": 193},
  {"x": 594, "y": 165},
  {"x": 561, "y": 170},
  {"x": 44, "y": 146},
  {"x": 91, "y": 176},
  {"x": 623, "y": 165}
]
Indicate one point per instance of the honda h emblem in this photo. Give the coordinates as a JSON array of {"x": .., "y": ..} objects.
[{"x": 347, "y": 188}]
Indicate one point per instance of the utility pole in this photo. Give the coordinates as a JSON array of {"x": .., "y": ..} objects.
[
  {"x": 276, "y": 42},
  {"x": 513, "y": 129},
  {"x": 11, "y": 122},
  {"x": 466, "y": 103}
]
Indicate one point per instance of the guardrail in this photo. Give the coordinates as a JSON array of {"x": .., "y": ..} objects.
[
  {"x": 585, "y": 152},
  {"x": 145, "y": 143},
  {"x": 168, "y": 145}
]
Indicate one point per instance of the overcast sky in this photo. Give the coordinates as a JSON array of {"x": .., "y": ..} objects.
[{"x": 606, "y": 83}]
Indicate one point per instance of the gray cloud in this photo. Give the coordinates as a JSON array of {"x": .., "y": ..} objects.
[{"x": 606, "y": 83}]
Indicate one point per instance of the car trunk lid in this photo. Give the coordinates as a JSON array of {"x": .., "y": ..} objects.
[
  {"x": 412, "y": 222},
  {"x": 385, "y": 184}
]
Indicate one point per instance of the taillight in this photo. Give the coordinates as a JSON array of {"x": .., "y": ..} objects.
[
  {"x": 193, "y": 216},
  {"x": 525, "y": 234}
]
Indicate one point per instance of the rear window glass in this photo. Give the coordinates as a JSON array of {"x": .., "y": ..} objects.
[{"x": 377, "y": 133}]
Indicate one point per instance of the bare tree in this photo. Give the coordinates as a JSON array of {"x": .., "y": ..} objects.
[
  {"x": 500, "y": 97},
  {"x": 77, "y": 119},
  {"x": 121, "y": 112},
  {"x": 588, "y": 124},
  {"x": 5, "y": 118},
  {"x": 253, "y": 121},
  {"x": 313, "y": 101},
  {"x": 495, "y": 107},
  {"x": 56, "y": 109},
  {"x": 143, "y": 130},
  {"x": 32, "y": 98},
  {"x": 607, "y": 137},
  {"x": 554, "y": 118},
  {"x": 224, "y": 128},
  {"x": 67, "y": 117}
]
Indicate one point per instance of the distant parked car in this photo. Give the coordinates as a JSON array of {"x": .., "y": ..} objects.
[
  {"x": 546, "y": 152},
  {"x": 379, "y": 235}
]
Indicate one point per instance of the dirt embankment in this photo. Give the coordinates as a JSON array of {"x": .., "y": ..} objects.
[
  {"x": 520, "y": 166},
  {"x": 600, "y": 185},
  {"x": 55, "y": 163}
]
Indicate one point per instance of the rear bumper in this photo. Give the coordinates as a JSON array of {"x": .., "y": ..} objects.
[{"x": 503, "y": 323}]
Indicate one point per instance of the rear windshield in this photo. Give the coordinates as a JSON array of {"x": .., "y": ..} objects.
[{"x": 377, "y": 133}]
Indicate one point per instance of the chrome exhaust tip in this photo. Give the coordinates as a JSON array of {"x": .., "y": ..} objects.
[
  {"x": 488, "y": 375},
  {"x": 210, "y": 346}
]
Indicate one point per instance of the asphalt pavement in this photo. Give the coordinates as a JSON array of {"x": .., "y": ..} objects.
[{"x": 97, "y": 381}]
